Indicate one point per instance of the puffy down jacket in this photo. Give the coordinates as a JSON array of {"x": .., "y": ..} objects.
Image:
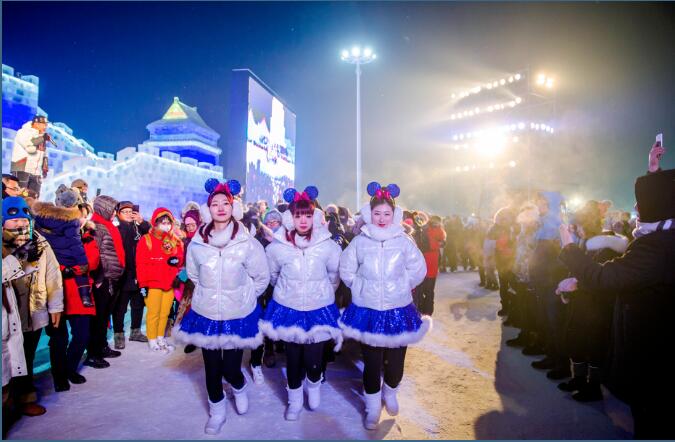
[
  {"x": 229, "y": 274},
  {"x": 304, "y": 275},
  {"x": 382, "y": 266}
]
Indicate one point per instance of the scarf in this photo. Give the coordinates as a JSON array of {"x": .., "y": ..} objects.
[
  {"x": 169, "y": 240},
  {"x": 115, "y": 234},
  {"x": 642, "y": 229},
  {"x": 12, "y": 239}
]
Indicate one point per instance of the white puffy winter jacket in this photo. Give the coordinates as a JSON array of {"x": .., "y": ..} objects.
[
  {"x": 382, "y": 266},
  {"x": 305, "y": 276},
  {"x": 229, "y": 274},
  {"x": 24, "y": 149}
]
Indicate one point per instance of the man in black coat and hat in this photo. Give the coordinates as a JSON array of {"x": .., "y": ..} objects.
[{"x": 643, "y": 284}]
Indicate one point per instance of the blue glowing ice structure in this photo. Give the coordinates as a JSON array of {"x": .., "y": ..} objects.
[{"x": 168, "y": 169}]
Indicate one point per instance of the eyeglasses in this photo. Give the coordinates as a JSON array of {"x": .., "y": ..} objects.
[{"x": 15, "y": 210}]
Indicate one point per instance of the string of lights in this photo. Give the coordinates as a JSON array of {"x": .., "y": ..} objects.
[
  {"x": 487, "y": 109},
  {"x": 488, "y": 86},
  {"x": 505, "y": 128}
]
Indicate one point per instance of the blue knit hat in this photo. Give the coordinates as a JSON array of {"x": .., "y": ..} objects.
[{"x": 14, "y": 207}]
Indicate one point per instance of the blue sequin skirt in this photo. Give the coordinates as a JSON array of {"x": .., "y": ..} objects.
[
  {"x": 281, "y": 323},
  {"x": 397, "y": 327},
  {"x": 207, "y": 333}
]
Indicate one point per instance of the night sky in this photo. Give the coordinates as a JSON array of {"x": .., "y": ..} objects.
[{"x": 109, "y": 69}]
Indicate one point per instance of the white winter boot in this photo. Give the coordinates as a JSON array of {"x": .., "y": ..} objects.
[
  {"x": 313, "y": 394},
  {"x": 390, "y": 401},
  {"x": 241, "y": 399},
  {"x": 152, "y": 343},
  {"x": 168, "y": 348},
  {"x": 217, "y": 416},
  {"x": 295, "y": 401},
  {"x": 373, "y": 410}
]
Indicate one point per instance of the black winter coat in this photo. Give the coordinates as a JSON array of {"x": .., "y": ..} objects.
[
  {"x": 643, "y": 282},
  {"x": 131, "y": 234}
]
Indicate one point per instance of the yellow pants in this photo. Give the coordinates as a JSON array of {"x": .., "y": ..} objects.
[{"x": 158, "y": 302}]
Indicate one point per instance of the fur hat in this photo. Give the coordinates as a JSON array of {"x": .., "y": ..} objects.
[
  {"x": 104, "y": 205},
  {"x": 67, "y": 197},
  {"x": 655, "y": 196}
]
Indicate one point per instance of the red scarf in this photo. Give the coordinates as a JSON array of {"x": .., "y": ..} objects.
[{"x": 114, "y": 233}]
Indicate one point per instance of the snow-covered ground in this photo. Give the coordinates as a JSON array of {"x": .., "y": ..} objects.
[{"x": 461, "y": 382}]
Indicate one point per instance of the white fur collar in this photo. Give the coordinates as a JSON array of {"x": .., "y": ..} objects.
[
  {"x": 617, "y": 243},
  {"x": 237, "y": 212},
  {"x": 380, "y": 234},
  {"x": 222, "y": 238},
  {"x": 318, "y": 235}
]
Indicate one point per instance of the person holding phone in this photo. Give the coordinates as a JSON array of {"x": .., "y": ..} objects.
[{"x": 641, "y": 283}]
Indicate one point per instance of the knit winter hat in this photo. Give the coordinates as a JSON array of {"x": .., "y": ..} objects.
[
  {"x": 273, "y": 214},
  {"x": 194, "y": 214},
  {"x": 105, "y": 205},
  {"x": 14, "y": 207},
  {"x": 655, "y": 196},
  {"x": 67, "y": 197}
]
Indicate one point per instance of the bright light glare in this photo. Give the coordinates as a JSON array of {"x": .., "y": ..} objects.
[
  {"x": 491, "y": 144},
  {"x": 356, "y": 51},
  {"x": 517, "y": 77},
  {"x": 541, "y": 78},
  {"x": 549, "y": 83},
  {"x": 512, "y": 163},
  {"x": 367, "y": 52},
  {"x": 575, "y": 202},
  {"x": 345, "y": 53}
]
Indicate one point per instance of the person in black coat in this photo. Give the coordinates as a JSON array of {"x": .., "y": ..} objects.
[
  {"x": 590, "y": 314},
  {"x": 642, "y": 281},
  {"x": 131, "y": 229}
]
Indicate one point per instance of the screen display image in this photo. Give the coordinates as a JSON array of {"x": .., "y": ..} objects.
[{"x": 270, "y": 146}]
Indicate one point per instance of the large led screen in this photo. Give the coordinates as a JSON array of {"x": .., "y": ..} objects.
[{"x": 270, "y": 146}]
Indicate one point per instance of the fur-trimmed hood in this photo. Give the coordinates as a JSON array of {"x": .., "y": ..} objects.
[
  {"x": 378, "y": 233},
  {"x": 617, "y": 243},
  {"x": 237, "y": 212},
  {"x": 51, "y": 211}
]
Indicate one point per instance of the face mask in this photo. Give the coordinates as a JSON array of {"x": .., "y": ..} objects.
[
  {"x": 164, "y": 227},
  {"x": 274, "y": 229},
  {"x": 16, "y": 237}
]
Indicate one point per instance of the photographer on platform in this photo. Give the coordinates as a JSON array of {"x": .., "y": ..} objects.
[{"x": 29, "y": 155}]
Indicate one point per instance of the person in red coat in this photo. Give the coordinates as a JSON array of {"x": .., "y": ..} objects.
[
  {"x": 77, "y": 314},
  {"x": 159, "y": 258},
  {"x": 432, "y": 254}
]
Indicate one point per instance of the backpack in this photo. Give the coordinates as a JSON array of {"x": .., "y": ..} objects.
[{"x": 421, "y": 237}]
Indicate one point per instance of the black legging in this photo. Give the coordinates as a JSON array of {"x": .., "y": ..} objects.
[
  {"x": 65, "y": 357},
  {"x": 105, "y": 297},
  {"x": 219, "y": 364},
  {"x": 373, "y": 359},
  {"x": 301, "y": 359}
]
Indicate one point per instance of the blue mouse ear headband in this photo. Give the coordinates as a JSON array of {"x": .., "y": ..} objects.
[
  {"x": 309, "y": 194},
  {"x": 231, "y": 186},
  {"x": 389, "y": 192}
]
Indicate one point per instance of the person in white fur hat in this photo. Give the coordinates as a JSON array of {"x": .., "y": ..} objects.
[
  {"x": 303, "y": 262},
  {"x": 382, "y": 265},
  {"x": 229, "y": 270}
]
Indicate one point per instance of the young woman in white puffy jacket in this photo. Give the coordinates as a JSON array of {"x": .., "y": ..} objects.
[
  {"x": 303, "y": 262},
  {"x": 229, "y": 269},
  {"x": 382, "y": 265}
]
